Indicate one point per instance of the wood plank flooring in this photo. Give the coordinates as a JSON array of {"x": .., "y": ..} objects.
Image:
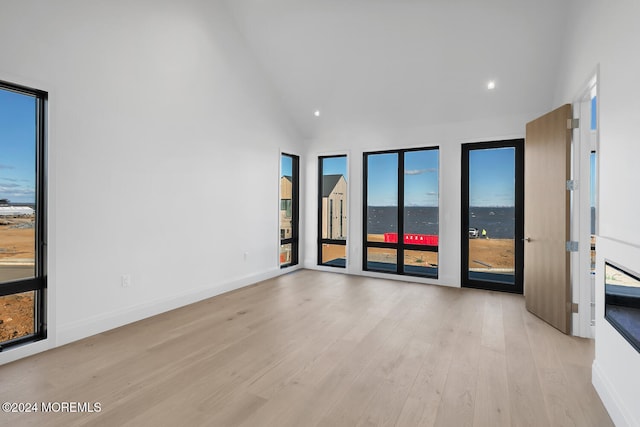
[{"x": 321, "y": 349}]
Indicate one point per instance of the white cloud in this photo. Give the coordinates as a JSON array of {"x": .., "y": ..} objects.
[{"x": 420, "y": 171}]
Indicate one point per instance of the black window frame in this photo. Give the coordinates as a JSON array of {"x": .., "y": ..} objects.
[
  {"x": 322, "y": 241},
  {"x": 37, "y": 284},
  {"x": 295, "y": 211},
  {"x": 400, "y": 247},
  {"x": 518, "y": 286}
]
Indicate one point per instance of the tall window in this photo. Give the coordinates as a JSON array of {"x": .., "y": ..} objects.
[
  {"x": 332, "y": 217},
  {"x": 593, "y": 178},
  {"x": 401, "y": 212},
  {"x": 22, "y": 214},
  {"x": 289, "y": 190},
  {"x": 492, "y": 215}
]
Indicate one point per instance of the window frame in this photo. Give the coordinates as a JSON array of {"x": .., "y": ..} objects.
[
  {"x": 322, "y": 241},
  {"x": 38, "y": 283},
  {"x": 400, "y": 246},
  {"x": 466, "y": 282},
  {"x": 295, "y": 210}
]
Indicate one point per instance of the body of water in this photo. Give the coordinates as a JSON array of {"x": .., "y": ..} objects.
[{"x": 499, "y": 222}]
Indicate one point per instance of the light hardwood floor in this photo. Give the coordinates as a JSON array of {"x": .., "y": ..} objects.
[{"x": 312, "y": 348}]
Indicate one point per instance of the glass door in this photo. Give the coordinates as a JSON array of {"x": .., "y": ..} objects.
[{"x": 492, "y": 215}]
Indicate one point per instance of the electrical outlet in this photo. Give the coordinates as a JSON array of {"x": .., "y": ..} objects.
[{"x": 126, "y": 280}]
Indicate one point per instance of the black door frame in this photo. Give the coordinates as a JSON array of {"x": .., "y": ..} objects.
[{"x": 466, "y": 282}]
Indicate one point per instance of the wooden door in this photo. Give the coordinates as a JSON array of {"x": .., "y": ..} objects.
[{"x": 547, "y": 285}]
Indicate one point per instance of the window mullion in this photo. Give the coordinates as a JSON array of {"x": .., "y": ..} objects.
[{"x": 400, "y": 213}]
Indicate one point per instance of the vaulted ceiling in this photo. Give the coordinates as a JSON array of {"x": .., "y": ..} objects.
[{"x": 404, "y": 63}]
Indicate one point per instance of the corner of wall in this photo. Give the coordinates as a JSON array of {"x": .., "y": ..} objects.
[{"x": 106, "y": 321}]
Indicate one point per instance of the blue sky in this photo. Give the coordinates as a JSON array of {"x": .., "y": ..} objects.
[
  {"x": 382, "y": 180},
  {"x": 335, "y": 166},
  {"x": 492, "y": 177},
  {"x": 592, "y": 188},
  {"x": 17, "y": 147},
  {"x": 286, "y": 165},
  {"x": 420, "y": 179},
  {"x": 594, "y": 113}
]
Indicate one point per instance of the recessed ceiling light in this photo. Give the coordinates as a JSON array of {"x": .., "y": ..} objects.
[
  {"x": 491, "y": 85},
  {"x": 316, "y": 113}
]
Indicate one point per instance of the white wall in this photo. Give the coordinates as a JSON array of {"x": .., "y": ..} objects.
[
  {"x": 606, "y": 33},
  {"x": 616, "y": 369},
  {"x": 164, "y": 145},
  {"x": 449, "y": 137}
]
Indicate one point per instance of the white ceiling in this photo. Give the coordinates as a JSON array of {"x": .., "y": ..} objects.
[{"x": 404, "y": 63}]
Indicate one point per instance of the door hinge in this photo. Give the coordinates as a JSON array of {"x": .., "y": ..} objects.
[
  {"x": 572, "y": 184},
  {"x": 573, "y": 123},
  {"x": 573, "y": 307},
  {"x": 572, "y": 246}
]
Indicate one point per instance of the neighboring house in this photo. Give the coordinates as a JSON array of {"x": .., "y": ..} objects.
[
  {"x": 286, "y": 189},
  {"x": 334, "y": 207}
]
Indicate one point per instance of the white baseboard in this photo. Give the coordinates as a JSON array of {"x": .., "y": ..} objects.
[
  {"x": 610, "y": 398},
  {"x": 20, "y": 352},
  {"x": 106, "y": 321}
]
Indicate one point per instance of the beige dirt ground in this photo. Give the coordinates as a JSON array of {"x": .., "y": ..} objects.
[
  {"x": 16, "y": 316},
  {"x": 483, "y": 253},
  {"x": 497, "y": 253},
  {"x": 16, "y": 242},
  {"x": 331, "y": 252},
  {"x": 16, "y": 311},
  {"x": 491, "y": 253}
]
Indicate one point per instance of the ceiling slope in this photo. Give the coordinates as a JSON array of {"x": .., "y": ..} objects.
[{"x": 405, "y": 63}]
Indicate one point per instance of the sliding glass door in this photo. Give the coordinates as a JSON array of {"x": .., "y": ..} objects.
[{"x": 492, "y": 215}]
